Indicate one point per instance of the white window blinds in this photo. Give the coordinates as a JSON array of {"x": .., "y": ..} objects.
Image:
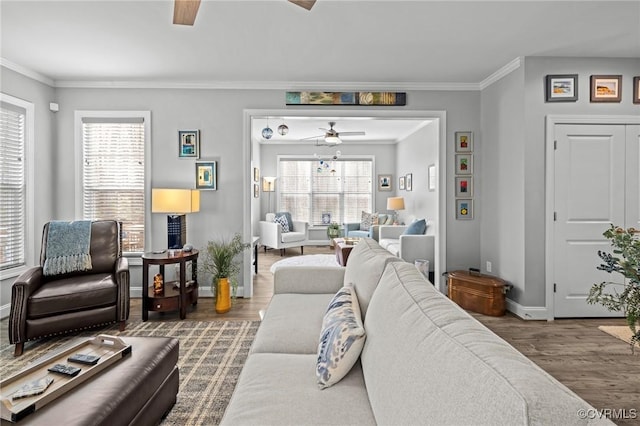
[
  {"x": 342, "y": 188},
  {"x": 13, "y": 186},
  {"x": 113, "y": 175}
]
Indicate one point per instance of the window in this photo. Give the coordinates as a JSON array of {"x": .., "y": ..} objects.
[
  {"x": 308, "y": 188},
  {"x": 113, "y": 174},
  {"x": 16, "y": 184}
]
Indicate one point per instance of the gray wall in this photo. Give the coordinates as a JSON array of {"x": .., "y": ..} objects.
[
  {"x": 45, "y": 158},
  {"x": 519, "y": 98},
  {"x": 219, "y": 116}
]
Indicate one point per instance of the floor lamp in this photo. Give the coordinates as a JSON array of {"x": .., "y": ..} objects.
[{"x": 269, "y": 185}]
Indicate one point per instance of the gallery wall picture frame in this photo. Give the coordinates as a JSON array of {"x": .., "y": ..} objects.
[
  {"x": 464, "y": 209},
  {"x": 561, "y": 88},
  {"x": 606, "y": 88},
  {"x": 464, "y": 186},
  {"x": 256, "y": 174},
  {"x": 401, "y": 183},
  {"x": 189, "y": 143},
  {"x": 464, "y": 164},
  {"x": 207, "y": 175},
  {"x": 432, "y": 176},
  {"x": 464, "y": 141},
  {"x": 636, "y": 90},
  {"x": 326, "y": 218},
  {"x": 256, "y": 190},
  {"x": 384, "y": 182},
  {"x": 409, "y": 181}
]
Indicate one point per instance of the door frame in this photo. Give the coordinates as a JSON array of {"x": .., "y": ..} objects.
[
  {"x": 551, "y": 122},
  {"x": 438, "y": 116}
]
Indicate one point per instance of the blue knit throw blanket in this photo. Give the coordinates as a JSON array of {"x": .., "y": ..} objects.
[{"x": 67, "y": 247}]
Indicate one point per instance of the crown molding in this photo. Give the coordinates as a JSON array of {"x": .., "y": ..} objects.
[
  {"x": 265, "y": 85},
  {"x": 505, "y": 70},
  {"x": 269, "y": 85},
  {"x": 27, "y": 72}
]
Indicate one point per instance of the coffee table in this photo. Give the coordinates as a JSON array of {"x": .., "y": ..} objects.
[{"x": 343, "y": 247}]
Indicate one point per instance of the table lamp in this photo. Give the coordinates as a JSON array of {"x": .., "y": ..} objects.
[
  {"x": 395, "y": 204},
  {"x": 175, "y": 202}
]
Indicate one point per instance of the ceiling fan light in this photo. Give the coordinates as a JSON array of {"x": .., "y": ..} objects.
[{"x": 333, "y": 139}]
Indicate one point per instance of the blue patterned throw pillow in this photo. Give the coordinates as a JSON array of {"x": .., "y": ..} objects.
[
  {"x": 342, "y": 338},
  {"x": 283, "y": 223}
]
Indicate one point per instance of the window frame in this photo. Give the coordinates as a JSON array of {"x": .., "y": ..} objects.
[
  {"x": 312, "y": 158},
  {"x": 29, "y": 176},
  {"x": 111, "y": 114}
]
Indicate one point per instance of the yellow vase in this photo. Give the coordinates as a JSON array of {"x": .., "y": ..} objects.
[{"x": 223, "y": 296}]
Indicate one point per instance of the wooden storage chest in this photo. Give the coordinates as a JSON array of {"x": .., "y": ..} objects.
[{"x": 477, "y": 292}]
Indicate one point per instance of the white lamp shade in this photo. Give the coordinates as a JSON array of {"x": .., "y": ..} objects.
[
  {"x": 395, "y": 203},
  {"x": 175, "y": 201},
  {"x": 268, "y": 184}
]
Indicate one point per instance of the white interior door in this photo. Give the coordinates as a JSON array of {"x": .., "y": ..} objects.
[
  {"x": 590, "y": 194},
  {"x": 633, "y": 177}
]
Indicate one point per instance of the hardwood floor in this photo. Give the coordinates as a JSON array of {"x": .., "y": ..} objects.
[{"x": 596, "y": 366}]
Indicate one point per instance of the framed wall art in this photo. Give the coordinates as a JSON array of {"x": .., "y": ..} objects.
[
  {"x": 256, "y": 190},
  {"x": 409, "y": 182},
  {"x": 464, "y": 209},
  {"x": 326, "y": 218},
  {"x": 636, "y": 90},
  {"x": 207, "y": 175},
  {"x": 401, "y": 183},
  {"x": 431, "y": 174},
  {"x": 561, "y": 88},
  {"x": 384, "y": 182},
  {"x": 464, "y": 186},
  {"x": 189, "y": 143},
  {"x": 464, "y": 142},
  {"x": 464, "y": 164},
  {"x": 256, "y": 174},
  {"x": 606, "y": 88}
]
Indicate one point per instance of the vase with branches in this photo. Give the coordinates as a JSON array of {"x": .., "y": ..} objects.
[
  {"x": 625, "y": 260},
  {"x": 221, "y": 261}
]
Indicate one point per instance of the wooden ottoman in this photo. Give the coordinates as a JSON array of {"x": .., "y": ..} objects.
[
  {"x": 343, "y": 247},
  {"x": 139, "y": 389}
]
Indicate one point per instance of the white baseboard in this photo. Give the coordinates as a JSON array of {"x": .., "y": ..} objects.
[
  {"x": 5, "y": 310},
  {"x": 527, "y": 312}
]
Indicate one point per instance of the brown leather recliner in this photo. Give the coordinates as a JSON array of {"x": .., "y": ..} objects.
[{"x": 46, "y": 305}]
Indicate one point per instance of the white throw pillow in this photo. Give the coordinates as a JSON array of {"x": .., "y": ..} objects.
[{"x": 342, "y": 338}]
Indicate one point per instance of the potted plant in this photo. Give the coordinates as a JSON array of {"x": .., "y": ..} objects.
[
  {"x": 333, "y": 230},
  {"x": 625, "y": 260},
  {"x": 220, "y": 261}
]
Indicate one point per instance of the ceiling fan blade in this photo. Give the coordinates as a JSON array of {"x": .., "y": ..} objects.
[
  {"x": 307, "y": 4},
  {"x": 313, "y": 137},
  {"x": 351, "y": 133},
  {"x": 185, "y": 11}
]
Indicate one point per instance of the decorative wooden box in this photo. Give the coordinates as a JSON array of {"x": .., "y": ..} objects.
[{"x": 477, "y": 292}]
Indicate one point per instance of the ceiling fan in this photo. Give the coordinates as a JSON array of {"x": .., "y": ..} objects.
[
  {"x": 185, "y": 11},
  {"x": 332, "y": 137}
]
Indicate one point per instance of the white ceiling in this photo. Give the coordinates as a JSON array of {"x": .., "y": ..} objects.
[
  {"x": 338, "y": 45},
  {"x": 377, "y": 129},
  {"x": 365, "y": 45}
]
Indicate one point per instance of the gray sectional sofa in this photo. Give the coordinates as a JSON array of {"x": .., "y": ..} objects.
[{"x": 425, "y": 360}]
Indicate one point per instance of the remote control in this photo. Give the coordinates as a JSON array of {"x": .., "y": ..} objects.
[
  {"x": 84, "y": 359},
  {"x": 67, "y": 370}
]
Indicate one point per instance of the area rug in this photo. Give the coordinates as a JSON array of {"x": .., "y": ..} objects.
[
  {"x": 326, "y": 260},
  {"x": 212, "y": 354},
  {"x": 622, "y": 332}
]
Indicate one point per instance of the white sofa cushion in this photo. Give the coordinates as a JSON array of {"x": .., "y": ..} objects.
[
  {"x": 281, "y": 389},
  {"x": 292, "y": 324},
  {"x": 291, "y": 237},
  {"x": 341, "y": 339},
  {"x": 364, "y": 269},
  {"x": 442, "y": 365}
]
